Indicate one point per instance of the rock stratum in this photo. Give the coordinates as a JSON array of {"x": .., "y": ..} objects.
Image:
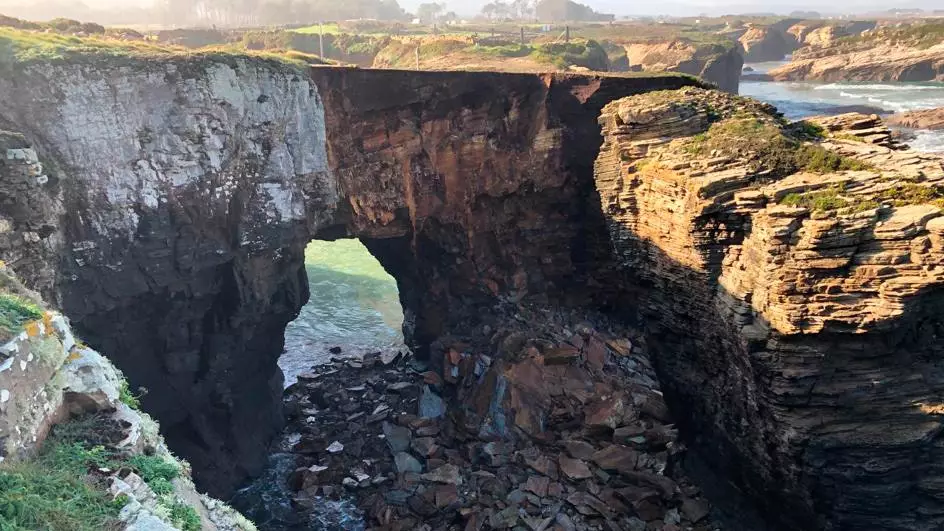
[
  {"x": 165, "y": 204},
  {"x": 792, "y": 309},
  {"x": 906, "y": 53}
]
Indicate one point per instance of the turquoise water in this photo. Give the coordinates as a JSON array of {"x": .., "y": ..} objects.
[{"x": 354, "y": 305}]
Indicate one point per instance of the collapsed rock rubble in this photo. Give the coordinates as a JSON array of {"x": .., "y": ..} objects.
[{"x": 551, "y": 425}]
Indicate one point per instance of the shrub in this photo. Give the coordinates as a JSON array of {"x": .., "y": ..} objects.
[
  {"x": 127, "y": 397},
  {"x": 184, "y": 516}
]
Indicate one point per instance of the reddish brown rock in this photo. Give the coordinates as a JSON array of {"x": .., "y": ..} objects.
[{"x": 574, "y": 469}]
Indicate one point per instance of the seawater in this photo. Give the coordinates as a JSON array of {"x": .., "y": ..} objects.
[
  {"x": 354, "y": 305},
  {"x": 801, "y": 99}
]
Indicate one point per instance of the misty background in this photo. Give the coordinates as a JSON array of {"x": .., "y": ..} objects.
[{"x": 283, "y": 12}]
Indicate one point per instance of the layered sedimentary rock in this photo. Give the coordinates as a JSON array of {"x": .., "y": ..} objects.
[
  {"x": 792, "y": 315},
  {"x": 923, "y": 119},
  {"x": 716, "y": 63},
  {"x": 165, "y": 205},
  {"x": 469, "y": 186},
  {"x": 869, "y": 61}
]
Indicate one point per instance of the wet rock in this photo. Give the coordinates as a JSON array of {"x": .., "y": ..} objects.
[
  {"x": 398, "y": 437},
  {"x": 431, "y": 405},
  {"x": 407, "y": 463}
]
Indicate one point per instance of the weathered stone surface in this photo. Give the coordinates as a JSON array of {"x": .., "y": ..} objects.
[{"x": 795, "y": 342}]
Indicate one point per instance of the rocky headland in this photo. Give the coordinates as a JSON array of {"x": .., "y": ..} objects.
[{"x": 890, "y": 53}]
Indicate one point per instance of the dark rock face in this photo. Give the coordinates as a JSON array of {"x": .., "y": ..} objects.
[
  {"x": 467, "y": 186},
  {"x": 181, "y": 195}
]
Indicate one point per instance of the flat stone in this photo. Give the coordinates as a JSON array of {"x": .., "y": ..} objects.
[
  {"x": 424, "y": 446},
  {"x": 431, "y": 405},
  {"x": 335, "y": 447},
  {"x": 616, "y": 458},
  {"x": 695, "y": 510},
  {"x": 407, "y": 463},
  {"x": 538, "y": 485},
  {"x": 574, "y": 469},
  {"x": 579, "y": 449},
  {"x": 448, "y": 474},
  {"x": 398, "y": 437}
]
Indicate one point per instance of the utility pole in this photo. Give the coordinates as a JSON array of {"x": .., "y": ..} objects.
[{"x": 321, "y": 40}]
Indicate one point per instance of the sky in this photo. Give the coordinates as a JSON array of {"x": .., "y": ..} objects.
[{"x": 637, "y": 7}]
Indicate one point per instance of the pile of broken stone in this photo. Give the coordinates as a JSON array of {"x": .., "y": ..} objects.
[{"x": 535, "y": 426}]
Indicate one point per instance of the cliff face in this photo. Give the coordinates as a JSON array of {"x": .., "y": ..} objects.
[
  {"x": 469, "y": 186},
  {"x": 170, "y": 222},
  {"x": 766, "y": 44},
  {"x": 792, "y": 314},
  {"x": 718, "y": 64},
  {"x": 165, "y": 204}
]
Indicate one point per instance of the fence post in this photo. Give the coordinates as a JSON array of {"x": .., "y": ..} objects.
[
  {"x": 321, "y": 39},
  {"x": 567, "y": 34},
  {"x": 522, "y": 35},
  {"x": 417, "y": 52}
]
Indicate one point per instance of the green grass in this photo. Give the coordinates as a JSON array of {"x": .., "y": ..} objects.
[
  {"x": 56, "y": 491},
  {"x": 184, "y": 516},
  {"x": 817, "y": 159},
  {"x": 31, "y": 47},
  {"x": 820, "y": 200},
  {"x": 35, "y": 496},
  {"x": 913, "y": 194},
  {"x": 770, "y": 147},
  {"x": 127, "y": 397},
  {"x": 14, "y": 313}
]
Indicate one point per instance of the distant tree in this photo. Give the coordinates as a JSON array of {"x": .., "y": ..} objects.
[
  {"x": 563, "y": 10},
  {"x": 430, "y": 12}
]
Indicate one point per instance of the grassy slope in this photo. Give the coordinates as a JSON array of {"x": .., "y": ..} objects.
[{"x": 31, "y": 47}]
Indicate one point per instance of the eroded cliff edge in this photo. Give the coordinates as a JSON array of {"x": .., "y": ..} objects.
[{"x": 789, "y": 282}]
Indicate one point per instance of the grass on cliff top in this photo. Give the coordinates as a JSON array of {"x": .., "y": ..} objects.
[
  {"x": 61, "y": 490},
  {"x": 27, "y": 47},
  {"x": 15, "y": 312},
  {"x": 770, "y": 146},
  {"x": 921, "y": 35}
]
